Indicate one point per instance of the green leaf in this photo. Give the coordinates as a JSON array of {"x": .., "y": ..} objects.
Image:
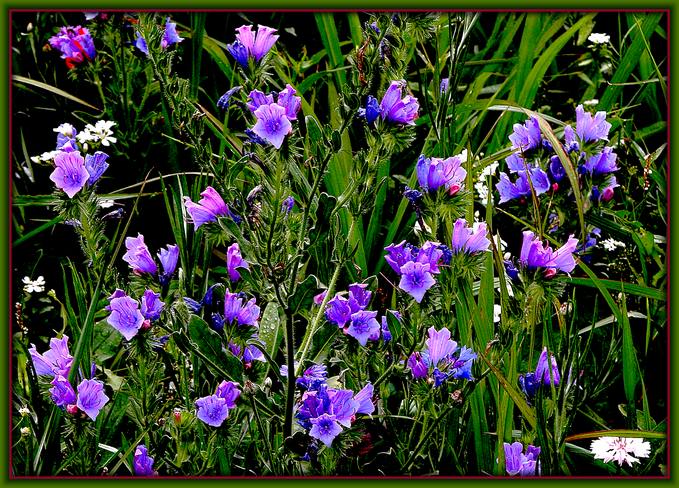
[
  {"x": 631, "y": 374},
  {"x": 648, "y": 434},
  {"x": 304, "y": 294},
  {"x": 269, "y": 328},
  {"x": 52, "y": 89}
]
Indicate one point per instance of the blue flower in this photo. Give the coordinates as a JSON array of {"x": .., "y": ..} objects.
[
  {"x": 234, "y": 260},
  {"x": 325, "y": 428},
  {"x": 95, "y": 164},
  {"x": 416, "y": 279},
  {"x": 287, "y": 205},
  {"x": 526, "y": 137},
  {"x": 143, "y": 463},
  {"x": 252, "y": 45},
  {"x": 516, "y": 462},
  {"x": 223, "y": 101},
  {"x": 363, "y": 325},
  {"x": 591, "y": 129},
  {"x": 601, "y": 163},
  {"x": 371, "y": 110},
  {"x": 398, "y": 110}
]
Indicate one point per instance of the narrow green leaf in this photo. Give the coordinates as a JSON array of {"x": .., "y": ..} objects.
[{"x": 52, "y": 89}]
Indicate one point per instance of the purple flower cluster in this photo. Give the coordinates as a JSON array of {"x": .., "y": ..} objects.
[
  {"x": 140, "y": 260},
  {"x": 516, "y": 462},
  {"x": 434, "y": 173},
  {"x": 415, "y": 266},
  {"x": 274, "y": 118},
  {"x": 350, "y": 315},
  {"x": 469, "y": 240},
  {"x": 75, "y": 43},
  {"x": 214, "y": 409},
  {"x": 546, "y": 373},
  {"x": 143, "y": 463},
  {"x": 535, "y": 255},
  {"x": 56, "y": 361},
  {"x": 208, "y": 208},
  {"x": 393, "y": 108},
  {"x": 323, "y": 411},
  {"x": 126, "y": 315},
  {"x": 170, "y": 37},
  {"x": 442, "y": 359},
  {"x": 72, "y": 172},
  {"x": 237, "y": 311},
  {"x": 249, "y": 45},
  {"x": 90, "y": 397}
]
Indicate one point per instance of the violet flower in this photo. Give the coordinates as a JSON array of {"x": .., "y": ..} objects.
[
  {"x": 601, "y": 163},
  {"x": 517, "y": 462},
  {"x": 547, "y": 372},
  {"x": 62, "y": 392},
  {"x": 521, "y": 187},
  {"x": 170, "y": 35},
  {"x": 125, "y": 316},
  {"x": 467, "y": 240},
  {"x": 416, "y": 279},
  {"x": 212, "y": 410},
  {"x": 91, "y": 397},
  {"x": 526, "y": 137},
  {"x": 75, "y": 44},
  {"x": 168, "y": 259},
  {"x": 95, "y": 164},
  {"x": 249, "y": 45},
  {"x": 70, "y": 174},
  {"x": 234, "y": 260},
  {"x": 138, "y": 256},
  {"x": 591, "y": 129},
  {"x": 363, "y": 324},
  {"x": 143, "y": 463},
  {"x": 151, "y": 306},
  {"x": 433, "y": 173},
  {"x": 535, "y": 255},
  {"x": 224, "y": 100},
  {"x": 398, "y": 110},
  {"x": 272, "y": 124},
  {"x": 56, "y": 360},
  {"x": 325, "y": 428},
  {"x": 207, "y": 209},
  {"x": 371, "y": 110}
]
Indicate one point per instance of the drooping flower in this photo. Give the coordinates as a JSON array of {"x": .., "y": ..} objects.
[
  {"x": 143, "y": 463},
  {"x": 125, "y": 316},
  {"x": 516, "y": 462},
  {"x": 250, "y": 45},
  {"x": 140, "y": 43},
  {"x": 91, "y": 397},
  {"x": 272, "y": 124},
  {"x": 95, "y": 164},
  {"x": 469, "y": 240},
  {"x": 75, "y": 43},
  {"x": 70, "y": 174},
  {"x": 234, "y": 260},
  {"x": 138, "y": 256},
  {"x": 207, "y": 209},
  {"x": 433, "y": 173},
  {"x": 151, "y": 306},
  {"x": 56, "y": 360},
  {"x": 535, "y": 255},
  {"x": 398, "y": 110},
  {"x": 416, "y": 279},
  {"x": 620, "y": 449},
  {"x": 62, "y": 392}
]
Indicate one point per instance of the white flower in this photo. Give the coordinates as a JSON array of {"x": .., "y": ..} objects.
[
  {"x": 606, "y": 68},
  {"x": 25, "y": 431},
  {"x": 497, "y": 310},
  {"x": 610, "y": 244},
  {"x": 620, "y": 449},
  {"x": 599, "y": 38},
  {"x": 65, "y": 129},
  {"x": 37, "y": 286},
  {"x": 104, "y": 203},
  {"x": 45, "y": 157},
  {"x": 23, "y": 411},
  {"x": 593, "y": 101},
  {"x": 99, "y": 132}
]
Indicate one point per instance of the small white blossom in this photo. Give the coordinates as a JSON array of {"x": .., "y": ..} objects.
[
  {"x": 497, "y": 309},
  {"x": 610, "y": 244},
  {"x": 37, "y": 286},
  {"x": 593, "y": 101},
  {"x": 620, "y": 449},
  {"x": 606, "y": 67},
  {"x": 45, "y": 157},
  {"x": 25, "y": 432},
  {"x": 23, "y": 411},
  {"x": 595, "y": 38},
  {"x": 65, "y": 129},
  {"x": 99, "y": 132},
  {"x": 105, "y": 203}
]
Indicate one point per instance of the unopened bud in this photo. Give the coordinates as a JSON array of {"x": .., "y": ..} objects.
[{"x": 72, "y": 409}]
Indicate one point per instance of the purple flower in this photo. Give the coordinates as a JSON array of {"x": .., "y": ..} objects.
[
  {"x": 312, "y": 377},
  {"x": 518, "y": 463},
  {"x": 168, "y": 259},
  {"x": 258, "y": 98},
  {"x": 288, "y": 204},
  {"x": 398, "y": 110},
  {"x": 325, "y": 428},
  {"x": 416, "y": 279},
  {"x": 249, "y": 314},
  {"x": 193, "y": 305},
  {"x": 250, "y": 45},
  {"x": 338, "y": 311},
  {"x": 526, "y": 137},
  {"x": 546, "y": 371},
  {"x": 364, "y": 399},
  {"x": 70, "y": 173},
  {"x": 223, "y": 101},
  {"x": 232, "y": 305},
  {"x": 430, "y": 253},
  {"x": 95, "y": 165},
  {"x": 228, "y": 390},
  {"x": 125, "y": 316},
  {"x": 170, "y": 35},
  {"x": 55, "y": 361},
  {"x": 272, "y": 124},
  {"x": 151, "y": 306},
  {"x": 318, "y": 299},
  {"x": 433, "y": 173},
  {"x": 289, "y": 102},
  {"x": 601, "y": 163},
  {"x": 521, "y": 187},
  {"x": 443, "y": 86},
  {"x": 140, "y": 43},
  {"x": 234, "y": 260},
  {"x": 399, "y": 254},
  {"x": 556, "y": 169},
  {"x": 371, "y": 110},
  {"x": 386, "y": 333},
  {"x": 534, "y": 255},
  {"x": 138, "y": 256},
  {"x": 143, "y": 463},
  {"x": 212, "y": 410},
  {"x": 207, "y": 209},
  {"x": 418, "y": 366},
  {"x": 91, "y": 397},
  {"x": 75, "y": 44},
  {"x": 362, "y": 326},
  {"x": 462, "y": 365},
  {"x": 62, "y": 392},
  {"x": 359, "y": 293},
  {"x": 439, "y": 345},
  {"x": 465, "y": 240},
  {"x": 571, "y": 142},
  {"x": 591, "y": 129},
  {"x": 528, "y": 384}
]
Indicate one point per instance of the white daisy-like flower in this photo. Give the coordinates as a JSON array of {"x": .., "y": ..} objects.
[
  {"x": 620, "y": 449},
  {"x": 595, "y": 38},
  {"x": 34, "y": 286},
  {"x": 100, "y": 132},
  {"x": 610, "y": 244},
  {"x": 45, "y": 157}
]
